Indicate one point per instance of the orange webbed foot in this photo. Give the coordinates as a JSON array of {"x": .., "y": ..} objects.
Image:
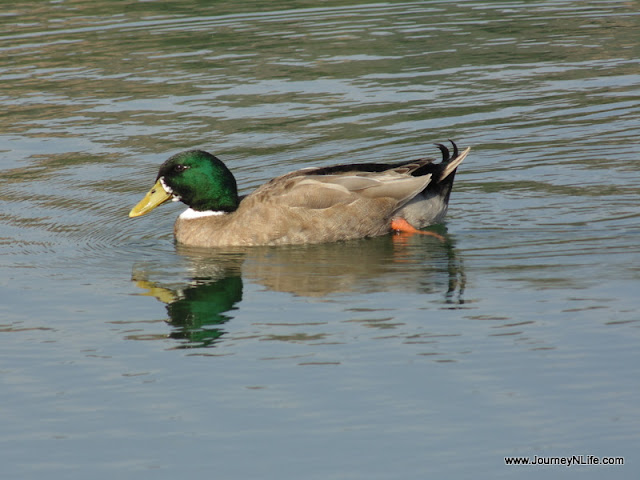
[{"x": 400, "y": 225}]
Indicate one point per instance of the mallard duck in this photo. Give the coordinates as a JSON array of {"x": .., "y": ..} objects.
[{"x": 312, "y": 205}]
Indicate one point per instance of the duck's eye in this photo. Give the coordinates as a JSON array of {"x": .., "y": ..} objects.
[{"x": 179, "y": 168}]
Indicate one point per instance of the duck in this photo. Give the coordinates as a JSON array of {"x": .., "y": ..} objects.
[{"x": 311, "y": 205}]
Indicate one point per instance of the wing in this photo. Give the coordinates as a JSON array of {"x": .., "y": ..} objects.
[{"x": 311, "y": 191}]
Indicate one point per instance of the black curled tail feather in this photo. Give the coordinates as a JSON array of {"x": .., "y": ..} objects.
[
  {"x": 446, "y": 155},
  {"x": 443, "y": 177}
]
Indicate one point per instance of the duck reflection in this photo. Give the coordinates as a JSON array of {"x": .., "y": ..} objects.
[
  {"x": 394, "y": 263},
  {"x": 199, "y": 307}
]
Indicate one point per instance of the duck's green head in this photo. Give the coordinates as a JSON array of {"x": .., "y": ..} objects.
[{"x": 197, "y": 179}]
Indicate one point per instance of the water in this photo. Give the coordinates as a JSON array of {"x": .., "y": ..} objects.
[{"x": 126, "y": 356}]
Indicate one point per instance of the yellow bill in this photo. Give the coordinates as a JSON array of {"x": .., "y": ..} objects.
[{"x": 156, "y": 196}]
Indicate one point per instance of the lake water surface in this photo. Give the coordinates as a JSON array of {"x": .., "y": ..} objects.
[{"x": 125, "y": 356}]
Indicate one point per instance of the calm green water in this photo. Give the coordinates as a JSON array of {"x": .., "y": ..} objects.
[{"x": 123, "y": 356}]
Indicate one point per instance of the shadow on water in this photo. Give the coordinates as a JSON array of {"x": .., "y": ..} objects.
[{"x": 212, "y": 283}]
